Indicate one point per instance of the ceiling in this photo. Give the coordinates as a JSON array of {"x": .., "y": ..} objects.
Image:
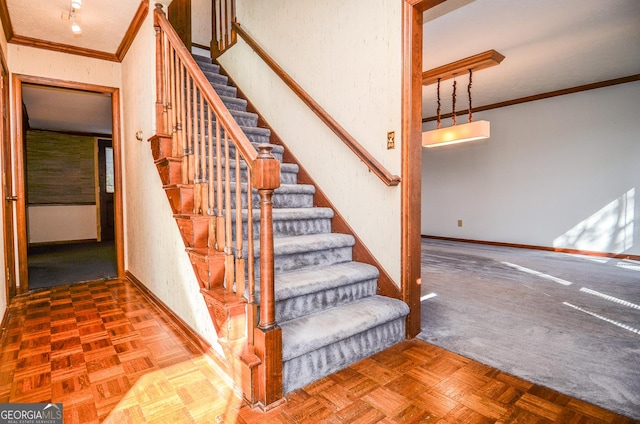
[
  {"x": 548, "y": 45},
  {"x": 104, "y": 25}
]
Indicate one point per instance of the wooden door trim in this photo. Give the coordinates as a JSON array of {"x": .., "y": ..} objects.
[
  {"x": 19, "y": 173},
  {"x": 412, "y": 157},
  {"x": 5, "y": 128}
]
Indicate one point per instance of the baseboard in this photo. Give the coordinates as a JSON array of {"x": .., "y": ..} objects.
[
  {"x": 534, "y": 247},
  {"x": 3, "y": 325},
  {"x": 62, "y": 242},
  {"x": 185, "y": 329}
]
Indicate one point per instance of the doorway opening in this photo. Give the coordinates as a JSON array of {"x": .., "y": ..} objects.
[{"x": 66, "y": 153}]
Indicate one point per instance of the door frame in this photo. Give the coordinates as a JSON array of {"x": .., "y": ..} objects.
[
  {"x": 411, "y": 226},
  {"x": 8, "y": 207},
  {"x": 17, "y": 145}
]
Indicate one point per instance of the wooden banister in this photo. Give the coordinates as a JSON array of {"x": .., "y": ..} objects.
[
  {"x": 371, "y": 162},
  {"x": 187, "y": 109}
]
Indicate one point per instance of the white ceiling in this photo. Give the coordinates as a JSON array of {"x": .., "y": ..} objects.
[
  {"x": 548, "y": 45},
  {"x": 103, "y": 22}
]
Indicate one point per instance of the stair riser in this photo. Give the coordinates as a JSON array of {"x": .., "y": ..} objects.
[
  {"x": 209, "y": 269},
  {"x": 234, "y": 104},
  {"x": 295, "y": 261},
  {"x": 205, "y": 64},
  {"x": 225, "y": 90},
  {"x": 215, "y": 78},
  {"x": 289, "y": 262},
  {"x": 287, "y": 309},
  {"x": 288, "y": 227},
  {"x": 170, "y": 171},
  {"x": 285, "y": 177},
  {"x": 180, "y": 199},
  {"x": 244, "y": 119},
  {"x": 300, "y": 371},
  {"x": 194, "y": 231},
  {"x": 295, "y": 200},
  {"x": 277, "y": 153}
]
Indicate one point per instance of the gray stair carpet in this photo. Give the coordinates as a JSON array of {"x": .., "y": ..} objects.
[{"x": 326, "y": 304}]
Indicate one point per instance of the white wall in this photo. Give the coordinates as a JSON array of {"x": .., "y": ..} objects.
[
  {"x": 348, "y": 56},
  {"x": 62, "y": 66},
  {"x": 155, "y": 252},
  {"x": 201, "y": 22},
  {"x": 62, "y": 223},
  {"x": 561, "y": 172}
]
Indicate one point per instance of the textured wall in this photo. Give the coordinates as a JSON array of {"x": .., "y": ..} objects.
[
  {"x": 201, "y": 22},
  {"x": 62, "y": 66},
  {"x": 154, "y": 249},
  {"x": 559, "y": 172},
  {"x": 348, "y": 56}
]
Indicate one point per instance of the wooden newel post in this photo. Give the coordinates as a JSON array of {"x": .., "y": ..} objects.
[{"x": 265, "y": 177}]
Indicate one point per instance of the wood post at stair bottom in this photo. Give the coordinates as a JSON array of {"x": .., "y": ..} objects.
[{"x": 268, "y": 347}]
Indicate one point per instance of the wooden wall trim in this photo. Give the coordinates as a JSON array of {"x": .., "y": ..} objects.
[
  {"x": 63, "y": 48},
  {"x": 361, "y": 253},
  {"x": 6, "y": 21},
  {"x": 412, "y": 160},
  {"x": 94, "y": 88},
  {"x": 535, "y": 247},
  {"x": 542, "y": 96},
  {"x": 132, "y": 31}
]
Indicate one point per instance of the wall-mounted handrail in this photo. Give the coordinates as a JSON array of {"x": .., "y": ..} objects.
[{"x": 371, "y": 162}]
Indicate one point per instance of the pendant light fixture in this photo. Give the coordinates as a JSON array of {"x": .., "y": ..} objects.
[{"x": 471, "y": 130}]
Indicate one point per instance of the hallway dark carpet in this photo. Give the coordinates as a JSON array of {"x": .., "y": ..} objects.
[
  {"x": 56, "y": 265},
  {"x": 567, "y": 322}
]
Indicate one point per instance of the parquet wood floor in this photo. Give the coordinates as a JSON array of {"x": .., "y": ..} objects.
[{"x": 110, "y": 356}]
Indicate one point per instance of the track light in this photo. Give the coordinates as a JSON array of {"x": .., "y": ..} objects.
[{"x": 75, "y": 28}]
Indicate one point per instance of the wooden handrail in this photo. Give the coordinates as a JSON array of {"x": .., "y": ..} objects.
[
  {"x": 247, "y": 150},
  {"x": 371, "y": 162}
]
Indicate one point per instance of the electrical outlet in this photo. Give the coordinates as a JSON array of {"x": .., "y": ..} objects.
[
  {"x": 459, "y": 223},
  {"x": 391, "y": 140}
]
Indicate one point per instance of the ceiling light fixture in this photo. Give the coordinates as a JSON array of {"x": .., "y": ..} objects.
[
  {"x": 470, "y": 131},
  {"x": 75, "y": 28}
]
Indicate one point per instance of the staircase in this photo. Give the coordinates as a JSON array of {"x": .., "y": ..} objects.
[{"x": 325, "y": 303}]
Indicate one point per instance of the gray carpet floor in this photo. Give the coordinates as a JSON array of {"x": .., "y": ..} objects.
[
  {"x": 567, "y": 322},
  {"x": 56, "y": 265}
]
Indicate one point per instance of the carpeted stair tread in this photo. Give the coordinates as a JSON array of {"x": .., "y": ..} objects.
[
  {"x": 204, "y": 61},
  {"x": 309, "y": 243},
  {"x": 312, "y": 332},
  {"x": 215, "y": 77},
  {"x": 234, "y": 103},
  {"x": 296, "y": 283},
  {"x": 281, "y": 214}
]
